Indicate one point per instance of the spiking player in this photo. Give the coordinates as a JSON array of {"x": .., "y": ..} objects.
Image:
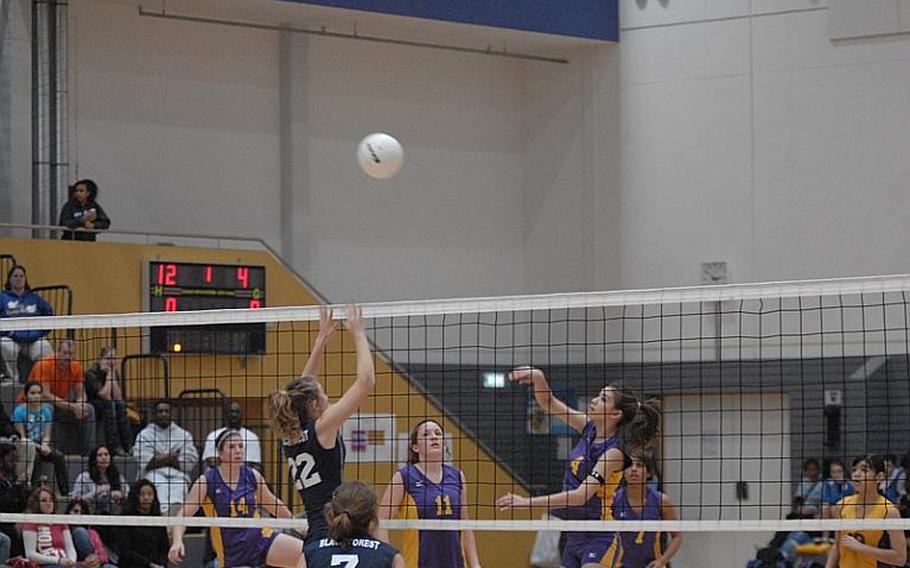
[{"x": 615, "y": 420}]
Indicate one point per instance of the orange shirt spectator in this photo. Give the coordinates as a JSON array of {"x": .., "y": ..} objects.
[
  {"x": 57, "y": 375},
  {"x": 64, "y": 387}
]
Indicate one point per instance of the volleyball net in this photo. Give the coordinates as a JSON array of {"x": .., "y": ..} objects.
[{"x": 753, "y": 381}]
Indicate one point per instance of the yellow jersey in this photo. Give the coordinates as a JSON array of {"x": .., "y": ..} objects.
[{"x": 848, "y": 507}]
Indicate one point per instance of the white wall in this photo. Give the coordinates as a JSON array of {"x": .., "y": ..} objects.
[
  {"x": 759, "y": 141},
  {"x": 450, "y": 223},
  {"x": 15, "y": 112},
  {"x": 178, "y": 123}
]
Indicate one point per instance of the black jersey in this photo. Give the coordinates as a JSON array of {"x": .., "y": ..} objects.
[
  {"x": 316, "y": 472},
  {"x": 363, "y": 551}
]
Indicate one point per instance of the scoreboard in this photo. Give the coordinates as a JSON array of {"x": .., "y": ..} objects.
[{"x": 182, "y": 286}]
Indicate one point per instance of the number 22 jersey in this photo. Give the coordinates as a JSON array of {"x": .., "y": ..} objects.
[{"x": 316, "y": 472}]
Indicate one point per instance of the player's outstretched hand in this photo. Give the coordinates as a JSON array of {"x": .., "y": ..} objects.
[
  {"x": 354, "y": 321},
  {"x": 526, "y": 375},
  {"x": 511, "y": 501},
  {"x": 327, "y": 323}
]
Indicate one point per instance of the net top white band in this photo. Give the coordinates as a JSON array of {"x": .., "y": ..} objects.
[
  {"x": 482, "y": 524},
  {"x": 692, "y": 294}
]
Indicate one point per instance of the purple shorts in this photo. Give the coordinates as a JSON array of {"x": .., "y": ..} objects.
[{"x": 592, "y": 548}]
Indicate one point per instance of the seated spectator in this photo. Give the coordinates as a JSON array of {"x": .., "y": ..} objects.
[
  {"x": 26, "y": 453},
  {"x": 17, "y": 300},
  {"x": 142, "y": 546},
  {"x": 252, "y": 453},
  {"x": 64, "y": 387},
  {"x": 14, "y": 490},
  {"x": 90, "y": 548},
  {"x": 102, "y": 386},
  {"x": 33, "y": 422},
  {"x": 46, "y": 544},
  {"x": 167, "y": 456},
  {"x": 809, "y": 491},
  {"x": 836, "y": 486},
  {"x": 82, "y": 214},
  {"x": 895, "y": 484},
  {"x": 102, "y": 485}
]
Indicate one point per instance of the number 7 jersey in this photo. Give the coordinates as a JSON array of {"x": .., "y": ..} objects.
[{"x": 316, "y": 472}]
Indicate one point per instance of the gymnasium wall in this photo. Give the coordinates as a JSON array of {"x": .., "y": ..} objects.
[{"x": 760, "y": 141}]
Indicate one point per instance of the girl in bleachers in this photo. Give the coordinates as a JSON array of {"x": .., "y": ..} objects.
[
  {"x": 102, "y": 484},
  {"x": 90, "y": 547},
  {"x": 47, "y": 544},
  {"x": 142, "y": 546},
  {"x": 17, "y": 300}
]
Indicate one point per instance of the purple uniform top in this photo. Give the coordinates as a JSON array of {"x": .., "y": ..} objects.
[
  {"x": 427, "y": 500},
  {"x": 638, "y": 548},
  {"x": 582, "y": 459},
  {"x": 236, "y": 547}
]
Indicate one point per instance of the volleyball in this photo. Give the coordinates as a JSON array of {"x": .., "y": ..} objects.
[{"x": 380, "y": 156}]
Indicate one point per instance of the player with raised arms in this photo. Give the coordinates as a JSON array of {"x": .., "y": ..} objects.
[
  {"x": 614, "y": 422},
  {"x": 428, "y": 488},
  {"x": 352, "y": 520},
  {"x": 862, "y": 548},
  {"x": 310, "y": 425},
  {"x": 636, "y": 501},
  {"x": 234, "y": 489}
]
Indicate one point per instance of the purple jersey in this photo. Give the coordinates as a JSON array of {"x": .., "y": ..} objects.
[
  {"x": 427, "y": 500},
  {"x": 236, "y": 547},
  {"x": 582, "y": 459},
  {"x": 638, "y": 548}
]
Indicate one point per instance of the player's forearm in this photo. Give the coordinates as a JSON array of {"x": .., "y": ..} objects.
[
  {"x": 470, "y": 546},
  {"x": 366, "y": 374},
  {"x": 672, "y": 548},
  {"x": 572, "y": 498}
]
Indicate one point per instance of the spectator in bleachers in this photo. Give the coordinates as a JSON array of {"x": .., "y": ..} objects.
[
  {"x": 46, "y": 544},
  {"x": 808, "y": 493},
  {"x": 102, "y": 484},
  {"x": 895, "y": 485},
  {"x": 102, "y": 385},
  {"x": 64, "y": 387},
  {"x": 14, "y": 489},
  {"x": 33, "y": 422},
  {"x": 252, "y": 452},
  {"x": 90, "y": 548},
  {"x": 17, "y": 300},
  {"x": 82, "y": 214},
  {"x": 167, "y": 456},
  {"x": 142, "y": 546},
  {"x": 836, "y": 486}
]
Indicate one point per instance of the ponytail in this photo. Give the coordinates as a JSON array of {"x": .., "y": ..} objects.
[
  {"x": 640, "y": 422},
  {"x": 351, "y": 512},
  {"x": 288, "y": 405}
]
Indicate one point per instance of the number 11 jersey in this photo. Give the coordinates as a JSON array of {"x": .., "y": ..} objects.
[{"x": 427, "y": 500}]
